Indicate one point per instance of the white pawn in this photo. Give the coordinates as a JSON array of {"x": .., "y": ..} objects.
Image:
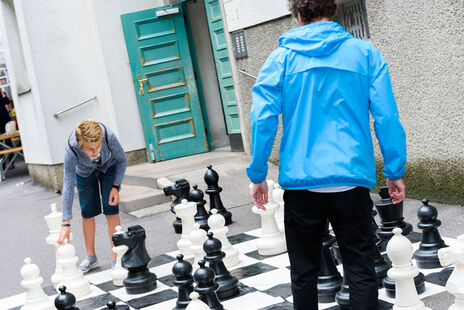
[
  {"x": 53, "y": 221},
  {"x": 198, "y": 237},
  {"x": 195, "y": 303},
  {"x": 455, "y": 283},
  {"x": 186, "y": 211},
  {"x": 399, "y": 250},
  {"x": 118, "y": 274},
  {"x": 36, "y": 299},
  {"x": 72, "y": 278},
  {"x": 272, "y": 240},
  {"x": 278, "y": 196},
  {"x": 217, "y": 223}
]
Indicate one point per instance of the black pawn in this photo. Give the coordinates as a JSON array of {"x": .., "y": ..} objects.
[
  {"x": 139, "y": 279},
  {"x": 427, "y": 254},
  {"x": 391, "y": 216},
  {"x": 206, "y": 286},
  {"x": 212, "y": 179},
  {"x": 329, "y": 280},
  {"x": 380, "y": 264},
  {"x": 65, "y": 301},
  {"x": 202, "y": 216},
  {"x": 111, "y": 305},
  {"x": 182, "y": 271},
  {"x": 343, "y": 296},
  {"x": 228, "y": 284},
  {"x": 181, "y": 190}
]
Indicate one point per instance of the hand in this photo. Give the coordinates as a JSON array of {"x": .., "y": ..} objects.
[
  {"x": 114, "y": 197},
  {"x": 64, "y": 234},
  {"x": 397, "y": 190},
  {"x": 259, "y": 193}
]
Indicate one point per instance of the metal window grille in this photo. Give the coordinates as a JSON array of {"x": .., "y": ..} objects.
[{"x": 352, "y": 15}]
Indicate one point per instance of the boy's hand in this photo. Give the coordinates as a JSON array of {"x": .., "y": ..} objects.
[
  {"x": 397, "y": 190},
  {"x": 259, "y": 194},
  {"x": 64, "y": 234},
  {"x": 114, "y": 197}
]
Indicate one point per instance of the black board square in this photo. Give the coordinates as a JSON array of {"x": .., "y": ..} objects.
[
  {"x": 96, "y": 302},
  {"x": 167, "y": 280},
  {"x": 107, "y": 286},
  {"x": 251, "y": 270},
  {"x": 160, "y": 260},
  {"x": 440, "y": 278},
  {"x": 152, "y": 299},
  {"x": 240, "y": 238},
  {"x": 256, "y": 255},
  {"x": 282, "y": 306},
  {"x": 281, "y": 290}
]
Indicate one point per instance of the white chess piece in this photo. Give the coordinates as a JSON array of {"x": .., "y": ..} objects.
[
  {"x": 72, "y": 278},
  {"x": 278, "y": 196},
  {"x": 186, "y": 211},
  {"x": 53, "y": 221},
  {"x": 36, "y": 299},
  {"x": 118, "y": 274},
  {"x": 197, "y": 238},
  {"x": 400, "y": 251},
  {"x": 217, "y": 223},
  {"x": 272, "y": 240},
  {"x": 195, "y": 303},
  {"x": 455, "y": 284}
]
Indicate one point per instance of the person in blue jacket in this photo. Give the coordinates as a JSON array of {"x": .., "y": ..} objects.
[{"x": 325, "y": 82}]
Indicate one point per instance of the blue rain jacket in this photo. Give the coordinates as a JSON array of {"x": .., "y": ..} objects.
[{"x": 325, "y": 82}]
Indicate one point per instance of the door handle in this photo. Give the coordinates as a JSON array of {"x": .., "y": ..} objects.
[{"x": 141, "y": 84}]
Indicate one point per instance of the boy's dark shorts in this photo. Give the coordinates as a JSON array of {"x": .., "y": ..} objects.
[{"x": 89, "y": 190}]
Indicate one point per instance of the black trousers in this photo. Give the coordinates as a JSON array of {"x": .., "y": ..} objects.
[{"x": 349, "y": 213}]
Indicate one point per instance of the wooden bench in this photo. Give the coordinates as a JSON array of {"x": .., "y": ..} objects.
[{"x": 14, "y": 150}]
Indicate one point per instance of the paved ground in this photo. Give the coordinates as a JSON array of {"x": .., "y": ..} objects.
[{"x": 24, "y": 204}]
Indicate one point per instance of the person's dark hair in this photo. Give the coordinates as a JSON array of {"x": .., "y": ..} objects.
[{"x": 313, "y": 9}]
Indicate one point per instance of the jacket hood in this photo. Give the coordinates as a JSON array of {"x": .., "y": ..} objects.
[{"x": 315, "y": 39}]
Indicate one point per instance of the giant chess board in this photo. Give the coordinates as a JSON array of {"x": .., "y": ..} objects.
[{"x": 264, "y": 283}]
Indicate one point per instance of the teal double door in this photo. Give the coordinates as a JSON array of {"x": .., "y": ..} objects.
[{"x": 165, "y": 83}]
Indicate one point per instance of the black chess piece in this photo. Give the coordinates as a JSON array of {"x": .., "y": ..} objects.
[
  {"x": 228, "y": 284},
  {"x": 329, "y": 280},
  {"x": 64, "y": 300},
  {"x": 181, "y": 189},
  {"x": 182, "y": 271},
  {"x": 206, "y": 286},
  {"x": 212, "y": 179},
  {"x": 427, "y": 254},
  {"x": 343, "y": 296},
  {"x": 111, "y": 305},
  {"x": 391, "y": 216},
  {"x": 202, "y": 216},
  {"x": 139, "y": 279},
  {"x": 381, "y": 265}
]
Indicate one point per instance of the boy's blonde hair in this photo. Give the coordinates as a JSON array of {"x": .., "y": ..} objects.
[{"x": 88, "y": 131}]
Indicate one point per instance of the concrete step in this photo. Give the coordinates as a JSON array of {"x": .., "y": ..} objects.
[
  {"x": 152, "y": 210},
  {"x": 134, "y": 198}
]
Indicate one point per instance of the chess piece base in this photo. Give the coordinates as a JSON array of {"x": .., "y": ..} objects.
[
  {"x": 327, "y": 287},
  {"x": 140, "y": 282},
  {"x": 389, "y": 285},
  {"x": 343, "y": 298}
]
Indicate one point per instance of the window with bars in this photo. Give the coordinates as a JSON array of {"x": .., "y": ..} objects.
[{"x": 352, "y": 15}]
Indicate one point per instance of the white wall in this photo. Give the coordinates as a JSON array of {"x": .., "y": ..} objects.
[{"x": 112, "y": 49}]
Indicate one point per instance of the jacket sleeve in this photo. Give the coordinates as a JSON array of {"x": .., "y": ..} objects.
[
  {"x": 387, "y": 125},
  {"x": 267, "y": 105},
  {"x": 69, "y": 172},
  {"x": 120, "y": 156}
]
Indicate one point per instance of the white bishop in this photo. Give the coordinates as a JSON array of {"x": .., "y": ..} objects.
[{"x": 36, "y": 299}]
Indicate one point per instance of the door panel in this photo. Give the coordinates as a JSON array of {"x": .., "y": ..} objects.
[
  {"x": 164, "y": 80},
  {"x": 221, "y": 57}
]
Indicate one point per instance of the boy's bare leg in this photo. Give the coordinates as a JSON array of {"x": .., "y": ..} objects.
[
  {"x": 113, "y": 221},
  {"x": 88, "y": 227}
]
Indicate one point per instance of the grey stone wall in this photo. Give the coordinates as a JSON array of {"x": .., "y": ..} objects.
[{"x": 423, "y": 43}]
